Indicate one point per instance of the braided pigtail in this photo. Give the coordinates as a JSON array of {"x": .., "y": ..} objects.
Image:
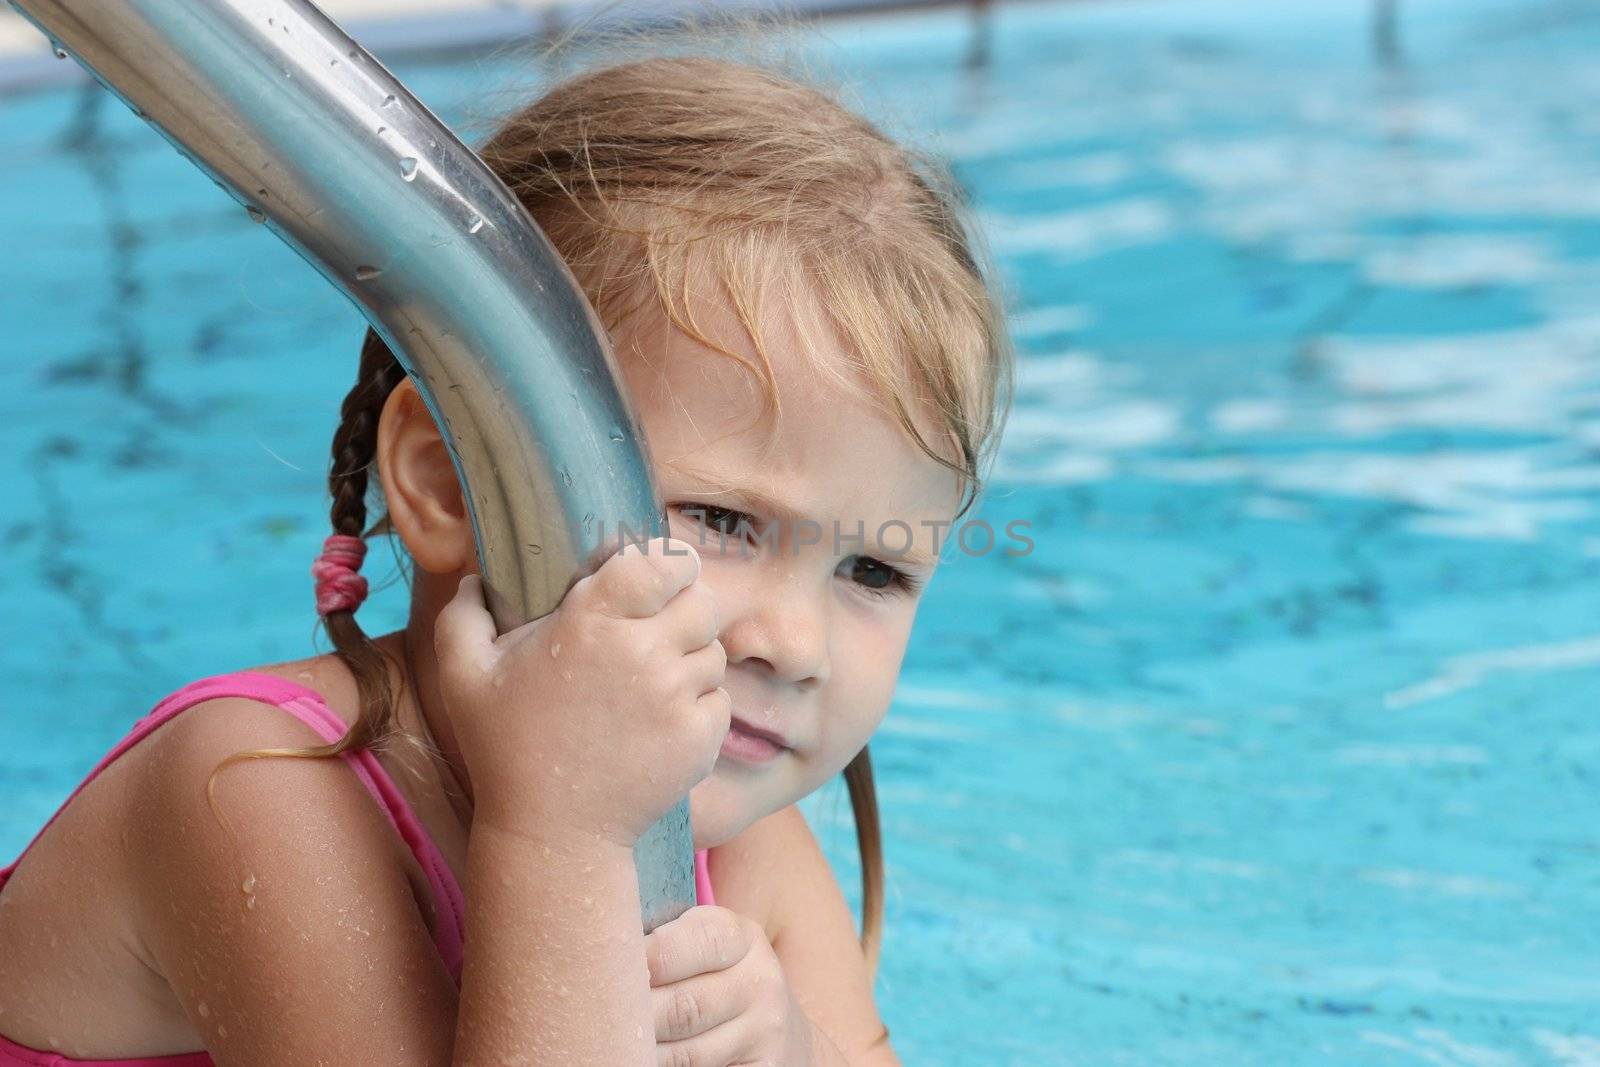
[
  {"x": 339, "y": 590},
  {"x": 355, "y": 445}
]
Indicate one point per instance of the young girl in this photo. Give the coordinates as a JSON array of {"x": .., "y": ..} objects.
[{"x": 820, "y": 372}]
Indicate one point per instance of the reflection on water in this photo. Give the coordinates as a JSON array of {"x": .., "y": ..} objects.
[{"x": 1277, "y": 749}]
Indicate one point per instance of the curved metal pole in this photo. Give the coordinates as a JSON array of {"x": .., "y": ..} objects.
[{"x": 301, "y": 125}]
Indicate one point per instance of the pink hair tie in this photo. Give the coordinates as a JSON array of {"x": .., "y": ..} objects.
[{"x": 339, "y": 587}]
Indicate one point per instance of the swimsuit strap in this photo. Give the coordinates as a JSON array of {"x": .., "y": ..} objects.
[{"x": 702, "y": 878}]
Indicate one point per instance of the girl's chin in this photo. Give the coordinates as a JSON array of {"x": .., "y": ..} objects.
[
  {"x": 719, "y": 811},
  {"x": 709, "y": 820}
]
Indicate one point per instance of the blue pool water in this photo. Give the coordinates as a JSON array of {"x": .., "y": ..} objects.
[{"x": 1280, "y": 748}]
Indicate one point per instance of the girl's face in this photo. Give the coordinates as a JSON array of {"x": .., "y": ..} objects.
[{"x": 815, "y": 610}]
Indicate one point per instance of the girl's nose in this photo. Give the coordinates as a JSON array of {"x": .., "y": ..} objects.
[{"x": 780, "y": 620}]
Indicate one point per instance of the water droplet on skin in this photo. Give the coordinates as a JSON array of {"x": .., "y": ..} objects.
[
  {"x": 61, "y": 53},
  {"x": 256, "y": 214},
  {"x": 249, "y": 884},
  {"x": 250, "y": 903},
  {"x": 364, "y": 274},
  {"x": 616, "y": 433},
  {"x": 204, "y": 1009},
  {"x": 222, "y": 1031},
  {"x": 408, "y": 168},
  {"x": 555, "y": 650},
  {"x": 474, "y": 224}
]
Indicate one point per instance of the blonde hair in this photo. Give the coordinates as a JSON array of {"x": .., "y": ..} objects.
[{"x": 653, "y": 175}]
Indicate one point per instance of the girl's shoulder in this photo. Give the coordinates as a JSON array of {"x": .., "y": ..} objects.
[
  {"x": 278, "y": 868},
  {"x": 183, "y": 775},
  {"x": 267, "y": 707},
  {"x": 756, "y": 870},
  {"x": 220, "y": 765},
  {"x": 326, "y": 675},
  {"x": 194, "y": 730},
  {"x": 142, "y": 867}
]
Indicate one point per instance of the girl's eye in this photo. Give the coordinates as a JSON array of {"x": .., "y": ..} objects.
[
  {"x": 878, "y": 578},
  {"x": 872, "y": 576},
  {"x": 726, "y": 521}
]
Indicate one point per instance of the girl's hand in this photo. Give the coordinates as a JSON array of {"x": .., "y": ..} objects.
[
  {"x": 720, "y": 995},
  {"x": 598, "y": 717}
]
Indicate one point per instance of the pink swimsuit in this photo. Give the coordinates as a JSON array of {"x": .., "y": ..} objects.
[{"x": 305, "y": 704}]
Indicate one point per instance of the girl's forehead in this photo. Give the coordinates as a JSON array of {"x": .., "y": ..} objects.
[
  {"x": 715, "y": 366},
  {"x": 830, "y": 446},
  {"x": 715, "y": 352}
]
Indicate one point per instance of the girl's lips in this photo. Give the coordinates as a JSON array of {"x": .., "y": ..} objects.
[
  {"x": 751, "y": 744},
  {"x": 760, "y": 731}
]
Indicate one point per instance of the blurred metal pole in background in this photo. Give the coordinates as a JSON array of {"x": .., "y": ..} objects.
[
  {"x": 317, "y": 140},
  {"x": 981, "y": 42},
  {"x": 1386, "y": 32}
]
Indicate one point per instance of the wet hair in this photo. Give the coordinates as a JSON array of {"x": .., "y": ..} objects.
[{"x": 657, "y": 176}]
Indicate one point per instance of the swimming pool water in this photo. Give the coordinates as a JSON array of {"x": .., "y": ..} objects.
[{"x": 1280, "y": 747}]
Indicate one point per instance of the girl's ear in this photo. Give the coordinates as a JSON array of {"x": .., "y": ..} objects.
[{"x": 420, "y": 488}]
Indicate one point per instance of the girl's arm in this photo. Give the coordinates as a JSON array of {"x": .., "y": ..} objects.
[
  {"x": 547, "y": 898},
  {"x": 300, "y": 940},
  {"x": 776, "y": 873}
]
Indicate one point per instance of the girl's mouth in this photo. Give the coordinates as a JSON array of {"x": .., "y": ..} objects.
[{"x": 751, "y": 744}]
